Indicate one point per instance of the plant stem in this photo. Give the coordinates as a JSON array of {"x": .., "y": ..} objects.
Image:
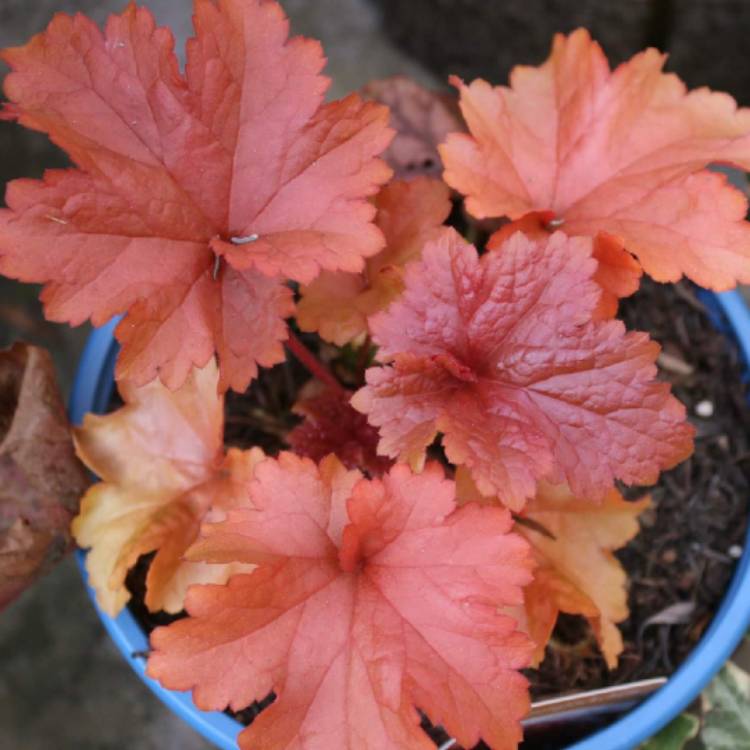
[{"x": 314, "y": 366}]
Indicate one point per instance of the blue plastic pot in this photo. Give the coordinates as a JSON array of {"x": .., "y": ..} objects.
[{"x": 92, "y": 391}]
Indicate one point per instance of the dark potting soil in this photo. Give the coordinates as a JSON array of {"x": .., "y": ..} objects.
[{"x": 680, "y": 564}]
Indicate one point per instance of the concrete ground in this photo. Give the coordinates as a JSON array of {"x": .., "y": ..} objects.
[{"x": 63, "y": 686}]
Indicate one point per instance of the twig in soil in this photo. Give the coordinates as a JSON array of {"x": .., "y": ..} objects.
[
  {"x": 678, "y": 613},
  {"x": 673, "y": 364},
  {"x": 687, "y": 296},
  {"x": 314, "y": 365},
  {"x": 664, "y": 646},
  {"x": 712, "y": 554}
]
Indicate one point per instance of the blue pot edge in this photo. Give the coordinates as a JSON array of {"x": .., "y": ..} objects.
[
  {"x": 91, "y": 392},
  {"x": 216, "y": 727},
  {"x": 723, "y": 635}
]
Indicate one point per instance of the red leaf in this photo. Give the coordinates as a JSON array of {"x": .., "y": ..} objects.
[
  {"x": 371, "y": 598},
  {"x": 501, "y": 356},
  {"x": 331, "y": 425},
  {"x": 40, "y": 479},
  {"x": 618, "y": 273},
  {"x": 421, "y": 118},
  {"x": 619, "y": 152},
  {"x": 174, "y": 215}
]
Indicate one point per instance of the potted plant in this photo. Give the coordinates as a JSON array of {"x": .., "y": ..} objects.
[{"x": 373, "y": 572}]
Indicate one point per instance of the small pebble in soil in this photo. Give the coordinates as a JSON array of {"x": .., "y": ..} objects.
[
  {"x": 704, "y": 409},
  {"x": 735, "y": 552}
]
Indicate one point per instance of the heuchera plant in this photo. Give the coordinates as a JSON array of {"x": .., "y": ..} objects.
[{"x": 219, "y": 207}]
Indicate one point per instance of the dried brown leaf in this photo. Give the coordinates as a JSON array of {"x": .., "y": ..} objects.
[
  {"x": 41, "y": 480},
  {"x": 421, "y": 118}
]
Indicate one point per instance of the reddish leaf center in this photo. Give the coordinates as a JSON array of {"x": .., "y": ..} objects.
[
  {"x": 351, "y": 554},
  {"x": 460, "y": 370}
]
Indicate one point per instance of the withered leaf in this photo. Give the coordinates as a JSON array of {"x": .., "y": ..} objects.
[{"x": 41, "y": 480}]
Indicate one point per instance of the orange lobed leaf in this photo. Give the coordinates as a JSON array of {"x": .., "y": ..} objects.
[
  {"x": 421, "y": 118},
  {"x": 501, "y": 356},
  {"x": 620, "y": 152},
  {"x": 173, "y": 215},
  {"x": 576, "y": 571},
  {"x": 331, "y": 425},
  {"x": 163, "y": 471},
  {"x": 371, "y": 597},
  {"x": 337, "y": 305}
]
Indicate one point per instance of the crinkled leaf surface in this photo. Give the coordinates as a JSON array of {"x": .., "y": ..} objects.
[
  {"x": 41, "y": 481},
  {"x": 372, "y": 597},
  {"x": 573, "y": 541},
  {"x": 337, "y": 304},
  {"x": 618, "y": 273},
  {"x": 500, "y": 354},
  {"x": 163, "y": 470},
  {"x": 174, "y": 215},
  {"x": 421, "y": 118},
  {"x": 331, "y": 425},
  {"x": 621, "y": 152}
]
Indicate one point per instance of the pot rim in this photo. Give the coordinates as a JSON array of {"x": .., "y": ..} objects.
[{"x": 91, "y": 392}]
